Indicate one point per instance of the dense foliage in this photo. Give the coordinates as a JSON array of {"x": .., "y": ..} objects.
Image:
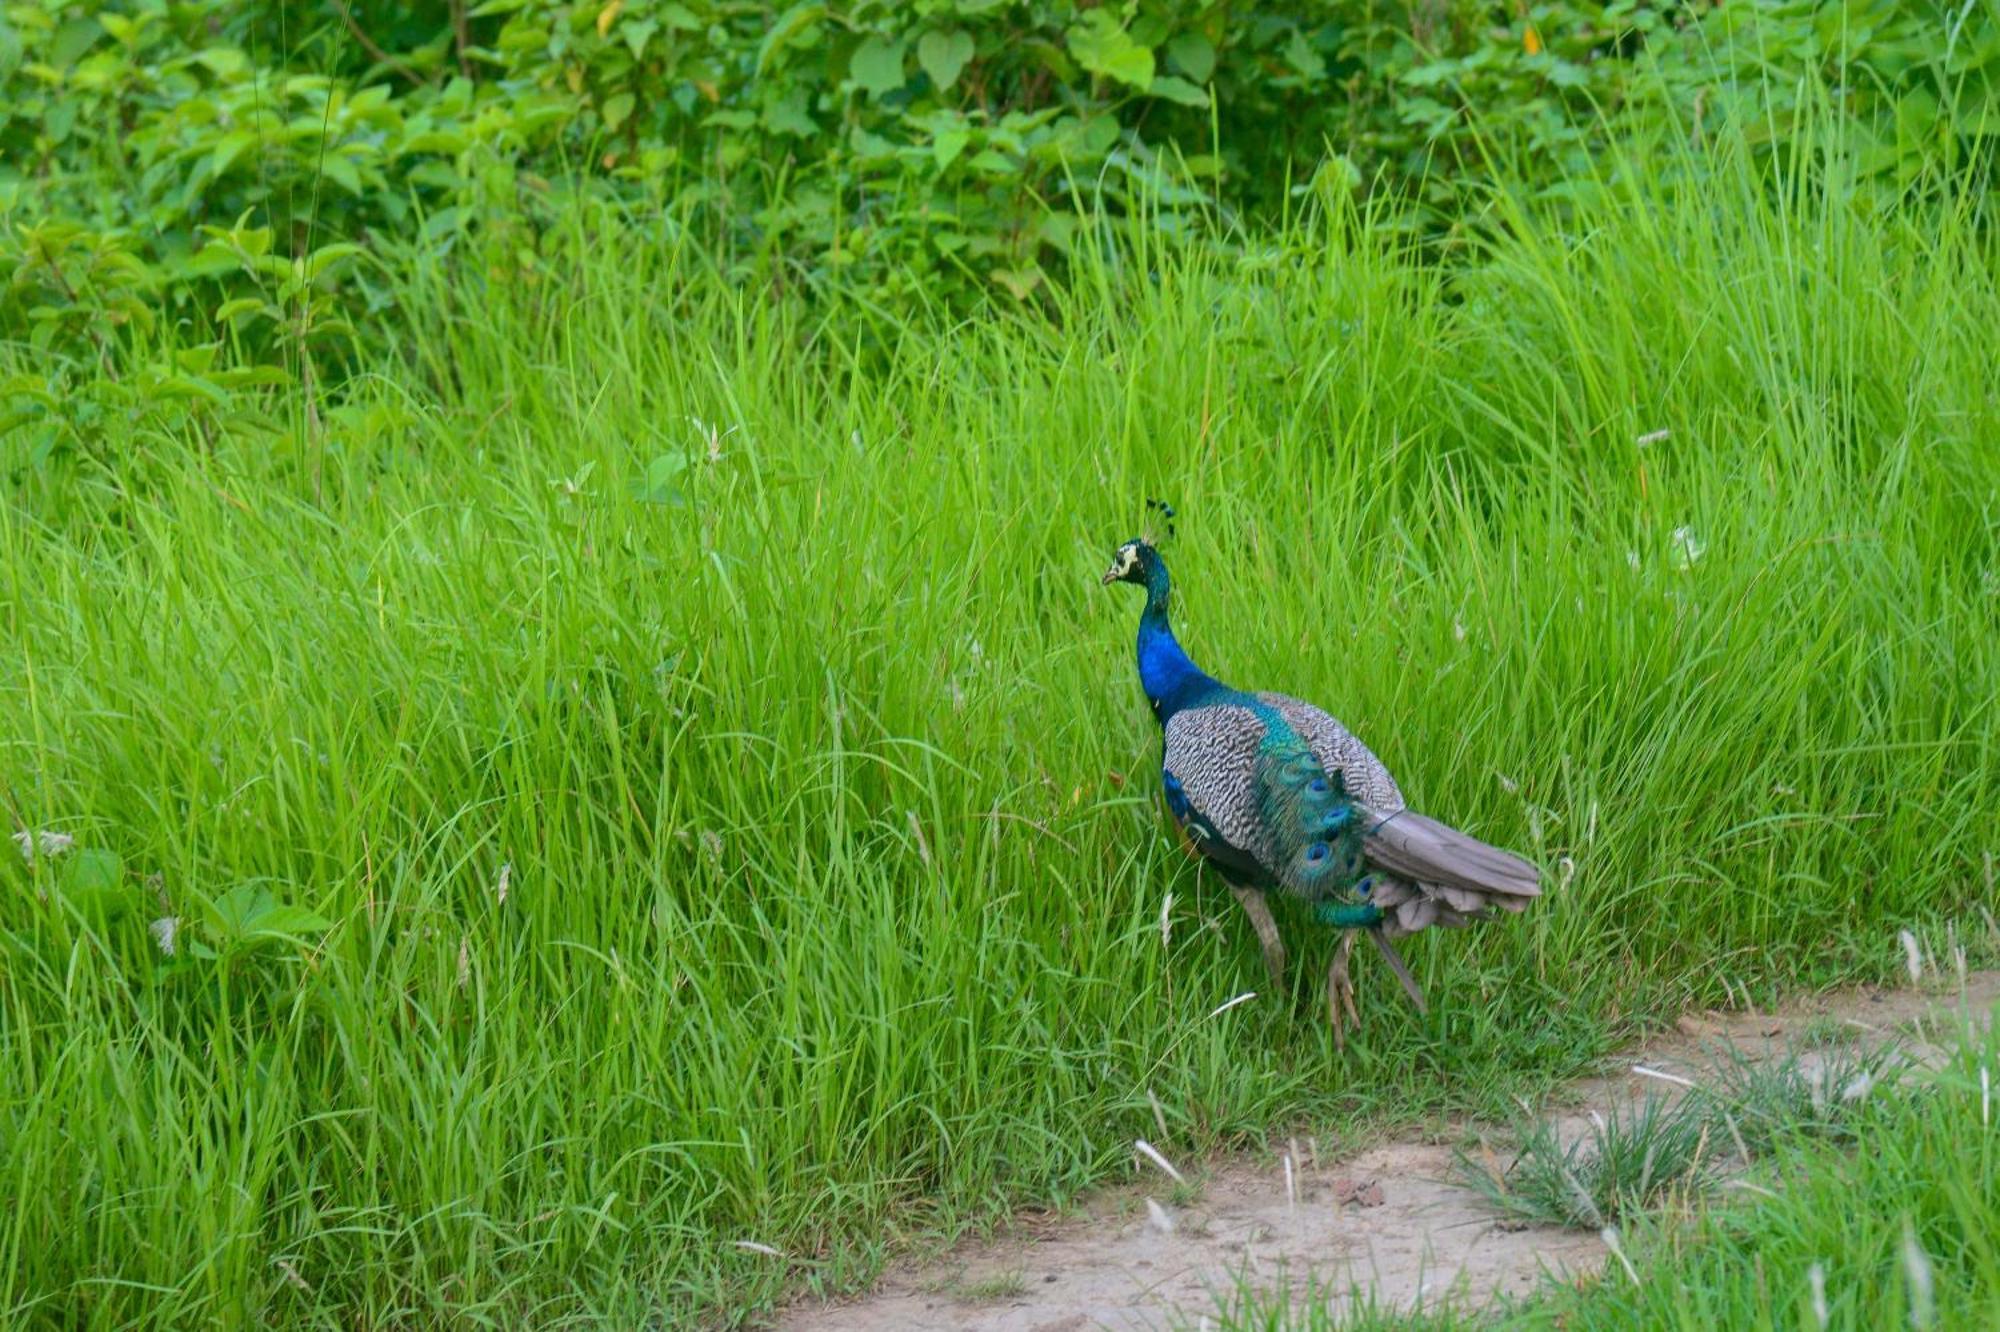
[{"x": 250, "y": 167}]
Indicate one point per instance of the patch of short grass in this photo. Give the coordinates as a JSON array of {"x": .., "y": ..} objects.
[
  {"x": 1605, "y": 1171},
  {"x": 992, "y": 1287},
  {"x": 1819, "y": 1093},
  {"x": 1267, "y": 1303}
]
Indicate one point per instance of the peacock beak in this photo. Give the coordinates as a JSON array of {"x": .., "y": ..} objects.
[{"x": 1110, "y": 576}]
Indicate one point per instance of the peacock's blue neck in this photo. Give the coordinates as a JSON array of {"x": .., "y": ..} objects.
[{"x": 1170, "y": 678}]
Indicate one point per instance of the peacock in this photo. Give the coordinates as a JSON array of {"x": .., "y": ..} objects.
[{"x": 1277, "y": 794}]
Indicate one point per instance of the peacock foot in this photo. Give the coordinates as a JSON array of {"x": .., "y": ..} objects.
[{"x": 1341, "y": 1007}]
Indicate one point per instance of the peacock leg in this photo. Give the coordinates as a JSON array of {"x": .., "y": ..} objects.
[
  {"x": 1340, "y": 1005},
  {"x": 1259, "y": 912}
]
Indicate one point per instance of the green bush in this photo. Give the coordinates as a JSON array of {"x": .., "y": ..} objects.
[{"x": 248, "y": 167}]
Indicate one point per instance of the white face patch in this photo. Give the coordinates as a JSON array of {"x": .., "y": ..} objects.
[{"x": 1128, "y": 559}]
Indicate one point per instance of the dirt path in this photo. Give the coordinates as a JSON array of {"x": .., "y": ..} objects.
[{"x": 1385, "y": 1221}]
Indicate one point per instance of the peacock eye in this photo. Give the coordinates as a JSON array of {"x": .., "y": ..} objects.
[
  {"x": 1317, "y": 851},
  {"x": 1319, "y": 784}
]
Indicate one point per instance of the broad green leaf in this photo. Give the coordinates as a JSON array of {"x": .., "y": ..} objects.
[
  {"x": 90, "y": 877},
  {"x": 1179, "y": 90},
  {"x": 877, "y": 65},
  {"x": 233, "y": 145},
  {"x": 340, "y": 170},
  {"x": 948, "y": 144},
  {"x": 249, "y": 912},
  {"x": 290, "y": 921},
  {"x": 71, "y": 40},
  {"x": 435, "y": 141},
  {"x": 190, "y": 386},
  {"x": 1192, "y": 54},
  {"x": 617, "y": 109},
  {"x": 789, "y": 25},
  {"x": 1105, "y": 49},
  {"x": 328, "y": 255},
  {"x": 197, "y": 359},
  {"x": 247, "y": 376},
  {"x": 787, "y": 114},
  {"x": 637, "y": 33},
  {"x": 944, "y": 56},
  {"x": 656, "y": 484},
  {"x": 1097, "y": 135},
  {"x": 1303, "y": 58}
]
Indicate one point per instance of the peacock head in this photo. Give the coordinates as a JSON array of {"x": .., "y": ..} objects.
[{"x": 1132, "y": 563}]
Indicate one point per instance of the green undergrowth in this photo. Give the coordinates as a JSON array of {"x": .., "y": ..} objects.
[{"x": 652, "y": 810}]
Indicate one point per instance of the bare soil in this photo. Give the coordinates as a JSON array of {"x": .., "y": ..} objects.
[{"x": 1385, "y": 1222}]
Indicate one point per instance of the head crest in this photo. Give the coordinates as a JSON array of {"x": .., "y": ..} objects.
[{"x": 1166, "y": 512}]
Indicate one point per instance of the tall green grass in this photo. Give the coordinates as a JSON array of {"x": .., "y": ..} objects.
[{"x": 823, "y": 791}]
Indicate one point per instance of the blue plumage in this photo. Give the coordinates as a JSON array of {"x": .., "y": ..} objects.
[
  {"x": 1237, "y": 776},
  {"x": 1276, "y": 794}
]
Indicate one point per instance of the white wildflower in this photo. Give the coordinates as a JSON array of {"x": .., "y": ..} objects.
[
  {"x": 506, "y": 880},
  {"x": 49, "y": 843},
  {"x": 1688, "y": 548},
  {"x": 1159, "y": 1217},
  {"x": 1816, "y": 1281},
  {"x": 1913, "y": 957},
  {"x": 711, "y": 437},
  {"x": 164, "y": 930}
]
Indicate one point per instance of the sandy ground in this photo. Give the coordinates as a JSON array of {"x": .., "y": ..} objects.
[{"x": 1385, "y": 1221}]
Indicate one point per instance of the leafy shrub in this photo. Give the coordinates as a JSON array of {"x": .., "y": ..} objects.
[{"x": 249, "y": 167}]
